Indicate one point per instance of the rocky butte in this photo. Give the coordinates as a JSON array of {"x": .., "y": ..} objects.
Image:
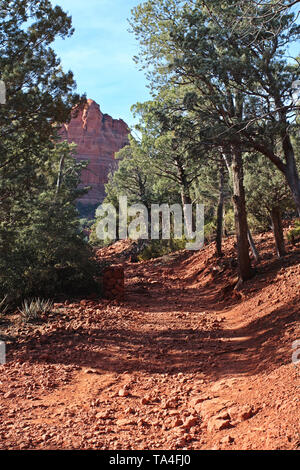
[{"x": 98, "y": 137}]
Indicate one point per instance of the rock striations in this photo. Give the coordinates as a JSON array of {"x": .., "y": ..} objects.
[{"x": 98, "y": 137}]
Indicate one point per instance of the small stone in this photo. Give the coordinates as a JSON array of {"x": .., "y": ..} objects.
[
  {"x": 238, "y": 414},
  {"x": 223, "y": 415},
  {"x": 10, "y": 395},
  {"x": 142, "y": 422},
  {"x": 216, "y": 424},
  {"x": 197, "y": 400},
  {"x": 178, "y": 422},
  {"x": 123, "y": 392},
  {"x": 169, "y": 404},
  {"x": 103, "y": 415},
  {"x": 130, "y": 411},
  {"x": 227, "y": 440},
  {"x": 91, "y": 371},
  {"x": 125, "y": 422},
  {"x": 247, "y": 412},
  {"x": 190, "y": 422}
]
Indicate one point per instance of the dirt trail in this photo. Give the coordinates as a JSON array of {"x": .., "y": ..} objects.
[{"x": 182, "y": 363}]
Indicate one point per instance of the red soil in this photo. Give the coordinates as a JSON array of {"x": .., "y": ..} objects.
[{"x": 184, "y": 362}]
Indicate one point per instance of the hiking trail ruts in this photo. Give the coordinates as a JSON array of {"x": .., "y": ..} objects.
[{"x": 176, "y": 365}]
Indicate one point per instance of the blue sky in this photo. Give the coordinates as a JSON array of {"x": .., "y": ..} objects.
[{"x": 100, "y": 53}]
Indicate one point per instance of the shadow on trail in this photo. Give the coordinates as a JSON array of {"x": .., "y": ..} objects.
[
  {"x": 259, "y": 346},
  {"x": 216, "y": 351}
]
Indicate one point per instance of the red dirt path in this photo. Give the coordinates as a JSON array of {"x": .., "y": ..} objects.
[{"x": 183, "y": 363}]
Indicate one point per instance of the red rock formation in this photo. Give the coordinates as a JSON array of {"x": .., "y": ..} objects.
[{"x": 98, "y": 137}]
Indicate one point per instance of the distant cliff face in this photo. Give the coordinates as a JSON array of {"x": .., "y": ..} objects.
[{"x": 98, "y": 137}]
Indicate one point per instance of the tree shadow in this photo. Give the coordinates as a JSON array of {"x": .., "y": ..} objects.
[{"x": 258, "y": 346}]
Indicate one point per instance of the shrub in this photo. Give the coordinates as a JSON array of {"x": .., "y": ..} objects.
[
  {"x": 229, "y": 222},
  {"x": 293, "y": 235},
  {"x": 158, "y": 248},
  {"x": 210, "y": 231},
  {"x": 45, "y": 255}
]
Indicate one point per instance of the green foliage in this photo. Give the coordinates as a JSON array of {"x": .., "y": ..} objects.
[
  {"x": 229, "y": 222},
  {"x": 42, "y": 249},
  {"x": 134, "y": 177},
  {"x": 39, "y": 93},
  {"x": 159, "y": 248},
  {"x": 139, "y": 181},
  {"x": 265, "y": 188},
  {"x": 210, "y": 230},
  {"x": 293, "y": 235},
  {"x": 94, "y": 240},
  {"x": 231, "y": 75}
]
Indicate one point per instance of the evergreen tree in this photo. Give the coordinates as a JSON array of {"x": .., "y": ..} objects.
[
  {"x": 242, "y": 84},
  {"x": 41, "y": 248}
]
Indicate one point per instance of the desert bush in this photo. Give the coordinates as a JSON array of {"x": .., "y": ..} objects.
[
  {"x": 293, "y": 235},
  {"x": 158, "y": 248},
  {"x": 210, "y": 231},
  {"x": 229, "y": 222}
]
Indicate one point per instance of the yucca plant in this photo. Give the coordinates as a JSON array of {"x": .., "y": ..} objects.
[
  {"x": 33, "y": 310},
  {"x": 4, "y": 306}
]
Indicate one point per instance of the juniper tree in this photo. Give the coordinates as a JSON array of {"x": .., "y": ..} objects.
[
  {"x": 268, "y": 197},
  {"x": 170, "y": 143},
  {"x": 242, "y": 83},
  {"x": 41, "y": 248}
]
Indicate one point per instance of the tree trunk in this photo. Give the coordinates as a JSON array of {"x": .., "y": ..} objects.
[
  {"x": 253, "y": 247},
  {"x": 60, "y": 175},
  {"x": 291, "y": 172},
  {"x": 289, "y": 168},
  {"x": 185, "y": 194},
  {"x": 278, "y": 231},
  {"x": 292, "y": 178},
  {"x": 186, "y": 200},
  {"x": 241, "y": 225},
  {"x": 220, "y": 211}
]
